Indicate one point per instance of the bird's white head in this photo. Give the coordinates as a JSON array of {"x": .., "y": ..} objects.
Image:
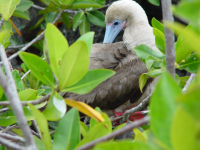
[{"x": 122, "y": 14}]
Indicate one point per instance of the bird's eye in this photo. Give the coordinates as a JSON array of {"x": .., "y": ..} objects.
[{"x": 116, "y": 23}]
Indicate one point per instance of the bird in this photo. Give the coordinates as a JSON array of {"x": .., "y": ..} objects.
[{"x": 121, "y": 91}]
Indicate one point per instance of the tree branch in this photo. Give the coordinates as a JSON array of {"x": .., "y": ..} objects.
[
  {"x": 11, "y": 93},
  {"x": 38, "y": 38},
  {"x": 191, "y": 78},
  {"x": 169, "y": 37},
  {"x": 12, "y": 138},
  {"x": 116, "y": 133},
  {"x": 24, "y": 103},
  {"x": 10, "y": 144}
]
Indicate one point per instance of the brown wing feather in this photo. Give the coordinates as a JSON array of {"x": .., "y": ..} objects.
[{"x": 124, "y": 85}]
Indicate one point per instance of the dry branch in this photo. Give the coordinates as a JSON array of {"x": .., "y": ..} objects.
[
  {"x": 169, "y": 37},
  {"x": 12, "y": 138},
  {"x": 11, "y": 93},
  {"x": 116, "y": 133},
  {"x": 11, "y": 145},
  {"x": 24, "y": 103}
]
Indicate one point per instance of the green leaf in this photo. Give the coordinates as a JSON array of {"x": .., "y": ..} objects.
[
  {"x": 155, "y": 2},
  {"x": 57, "y": 45},
  {"x": 39, "y": 143},
  {"x": 191, "y": 38},
  {"x": 21, "y": 14},
  {"x": 84, "y": 4},
  {"x": 1, "y": 91},
  {"x": 67, "y": 134},
  {"x": 88, "y": 39},
  {"x": 84, "y": 27},
  {"x": 50, "y": 8},
  {"x": 90, "y": 81},
  {"x": 142, "y": 81},
  {"x": 28, "y": 94},
  {"x": 182, "y": 49},
  {"x": 185, "y": 131},
  {"x": 38, "y": 67},
  {"x": 190, "y": 101},
  {"x": 149, "y": 62},
  {"x": 56, "y": 108},
  {"x": 143, "y": 51},
  {"x": 46, "y": 2},
  {"x": 78, "y": 18},
  {"x": 43, "y": 127},
  {"x": 68, "y": 2},
  {"x": 7, "y": 7},
  {"x": 93, "y": 122},
  {"x": 159, "y": 39},
  {"x": 156, "y": 24},
  {"x": 191, "y": 64},
  {"x": 18, "y": 80},
  {"x": 101, "y": 2},
  {"x": 66, "y": 20},
  {"x": 97, "y": 18},
  {"x": 96, "y": 132},
  {"x": 188, "y": 11},
  {"x": 50, "y": 17},
  {"x": 124, "y": 144},
  {"x": 183, "y": 80},
  {"x": 7, "y": 118},
  {"x": 162, "y": 108},
  {"x": 83, "y": 129},
  {"x": 74, "y": 64},
  {"x": 24, "y": 5},
  {"x": 40, "y": 91}
]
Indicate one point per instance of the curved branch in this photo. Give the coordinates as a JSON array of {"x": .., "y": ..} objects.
[{"x": 116, "y": 133}]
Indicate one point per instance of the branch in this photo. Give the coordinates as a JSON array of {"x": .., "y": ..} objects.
[
  {"x": 169, "y": 37},
  {"x": 16, "y": 47},
  {"x": 1, "y": 22},
  {"x": 10, "y": 144},
  {"x": 116, "y": 133},
  {"x": 12, "y": 138},
  {"x": 11, "y": 93},
  {"x": 3, "y": 110},
  {"x": 137, "y": 108},
  {"x": 38, "y": 38},
  {"x": 24, "y": 103},
  {"x": 191, "y": 78}
]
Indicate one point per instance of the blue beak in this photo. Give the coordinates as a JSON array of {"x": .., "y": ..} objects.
[{"x": 112, "y": 31}]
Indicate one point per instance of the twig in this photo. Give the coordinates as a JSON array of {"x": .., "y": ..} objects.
[
  {"x": 3, "y": 110},
  {"x": 38, "y": 7},
  {"x": 11, "y": 93},
  {"x": 12, "y": 138},
  {"x": 25, "y": 74},
  {"x": 116, "y": 133},
  {"x": 169, "y": 37},
  {"x": 16, "y": 47},
  {"x": 39, "y": 37},
  {"x": 137, "y": 108},
  {"x": 1, "y": 22},
  {"x": 191, "y": 78},
  {"x": 24, "y": 103},
  {"x": 8, "y": 128},
  {"x": 36, "y": 127},
  {"x": 10, "y": 144}
]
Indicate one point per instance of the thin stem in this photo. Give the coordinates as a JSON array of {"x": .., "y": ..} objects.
[
  {"x": 38, "y": 38},
  {"x": 191, "y": 78},
  {"x": 12, "y": 138},
  {"x": 10, "y": 144},
  {"x": 169, "y": 37},
  {"x": 1, "y": 22},
  {"x": 24, "y": 103},
  {"x": 11, "y": 93},
  {"x": 116, "y": 133}
]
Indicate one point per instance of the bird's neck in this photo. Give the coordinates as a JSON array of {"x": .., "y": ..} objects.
[{"x": 138, "y": 33}]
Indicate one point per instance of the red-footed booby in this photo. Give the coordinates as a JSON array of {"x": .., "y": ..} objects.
[{"x": 121, "y": 91}]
